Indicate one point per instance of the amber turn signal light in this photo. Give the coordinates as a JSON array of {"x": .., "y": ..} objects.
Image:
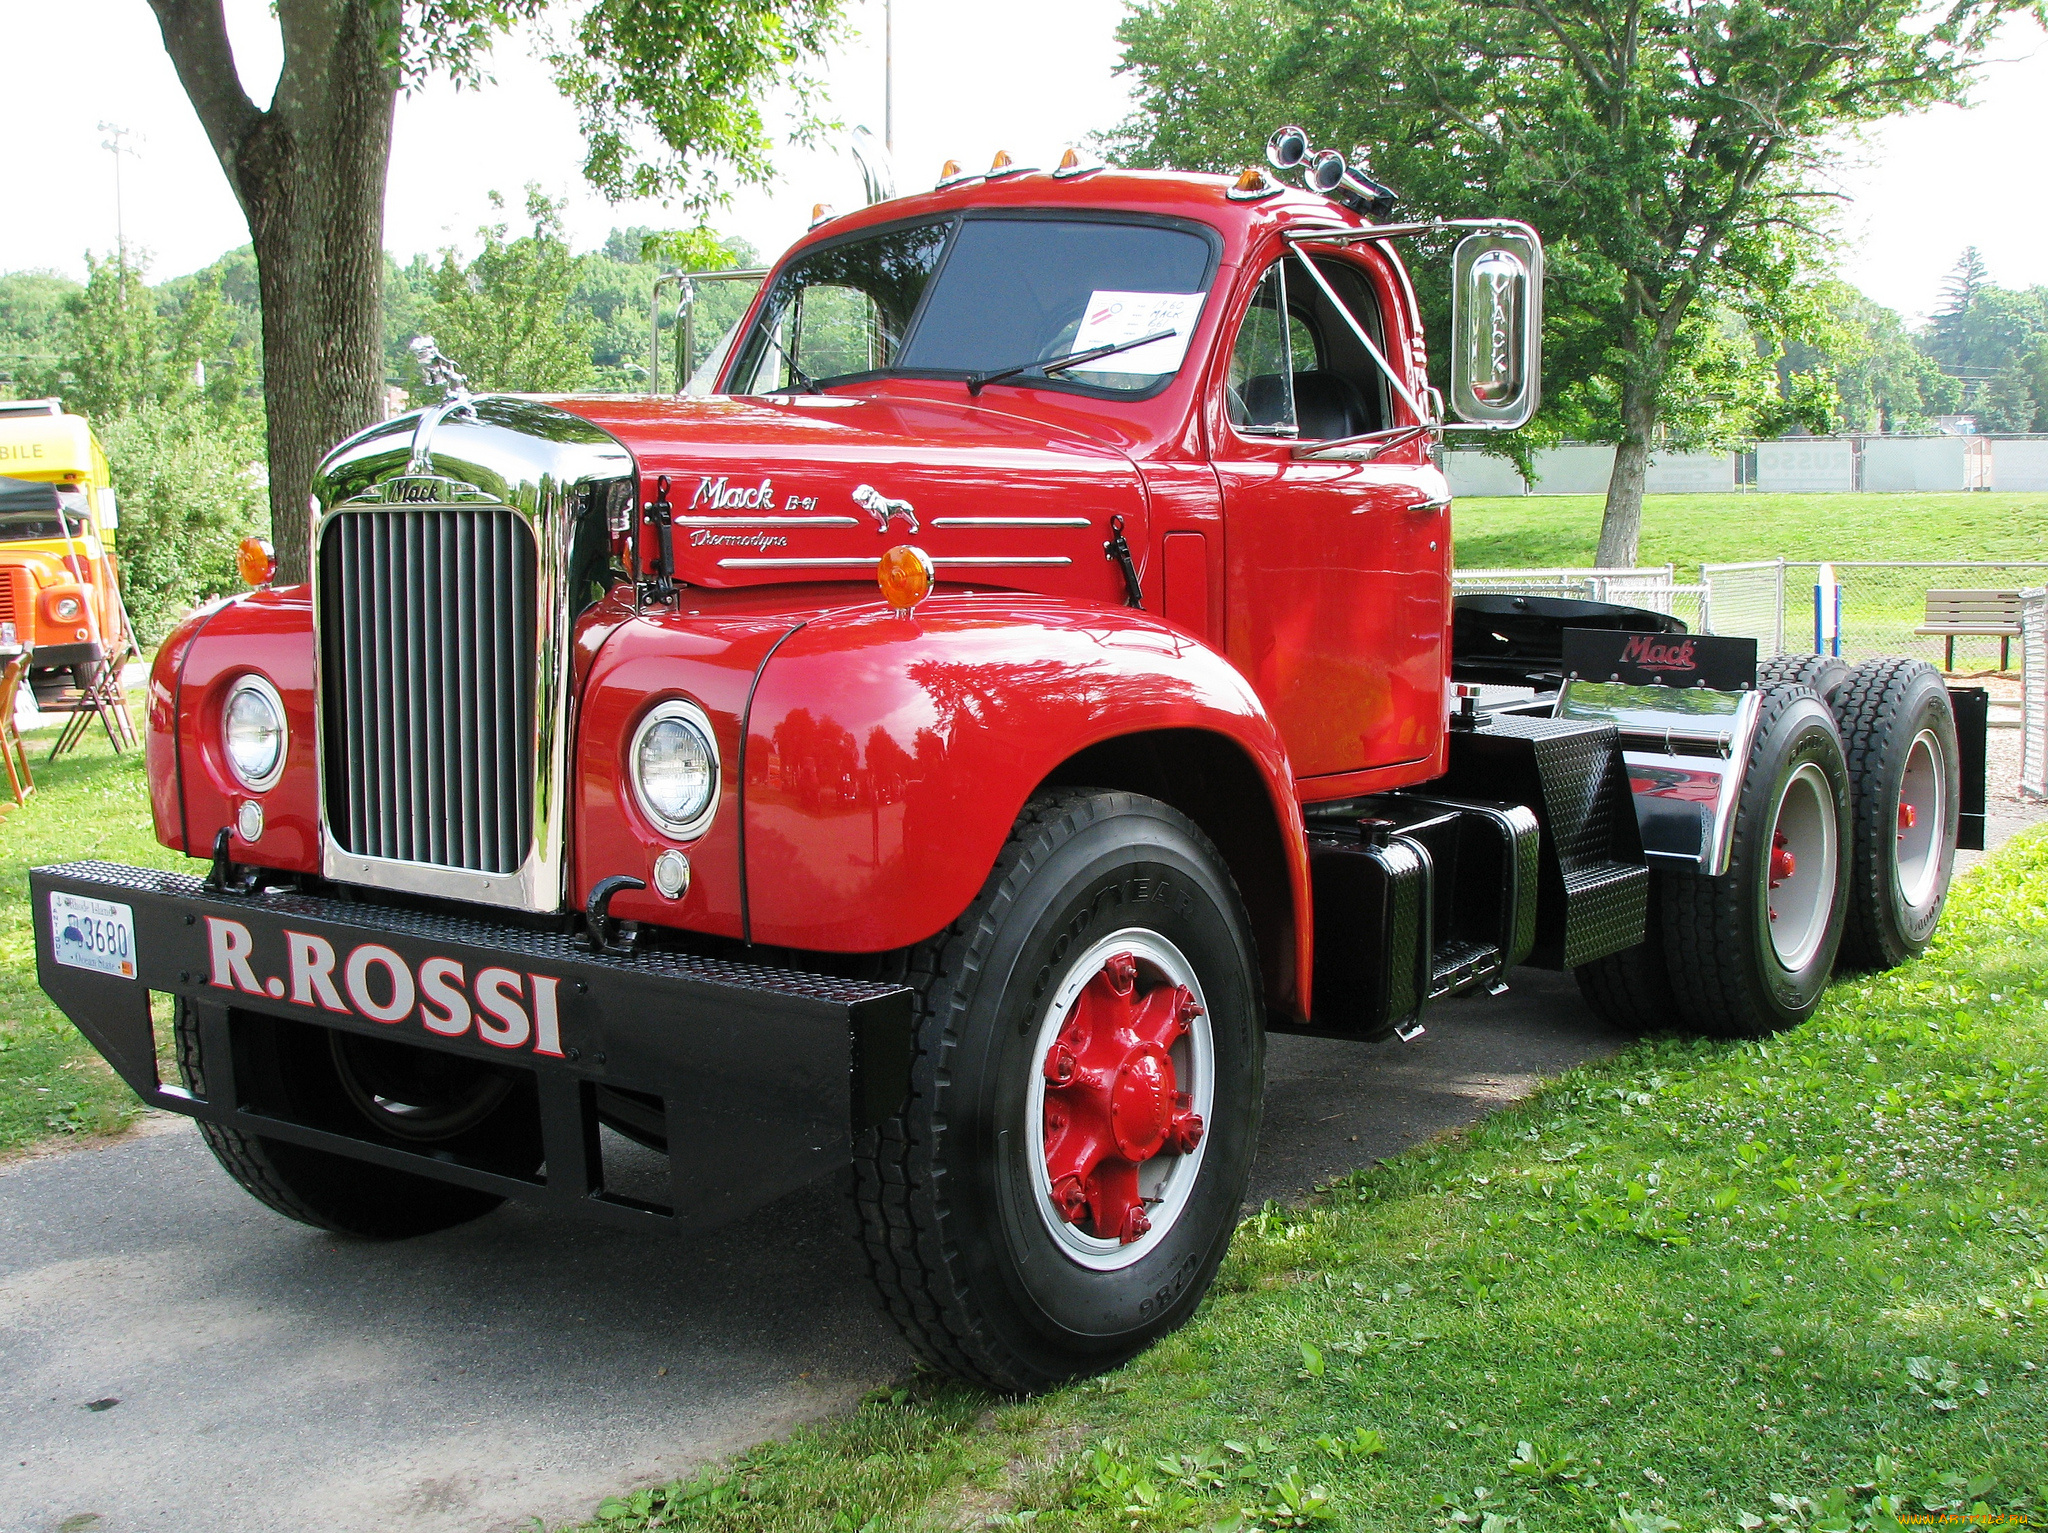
[
  {"x": 905, "y": 575},
  {"x": 256, "y": 560},
  {"x": 1070, "y": 161},
  {"x": 1002, "y": 161}
]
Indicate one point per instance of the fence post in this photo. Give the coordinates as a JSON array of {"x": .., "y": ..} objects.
[
  {"x": 1778, "y": 612},
  {"x": 2034, "y": 694}
]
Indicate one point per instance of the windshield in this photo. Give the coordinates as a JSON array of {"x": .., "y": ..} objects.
[
  {"x": 963, "y": 297},
  {"x": 15, "y": 526}
]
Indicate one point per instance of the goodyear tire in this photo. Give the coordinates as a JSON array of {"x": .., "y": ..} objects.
[
  {"x": 1899, "y": 732},
  {"x": 1826, "y": 674},
  {"x": 1750, "y": 952},
  {"x": 484, "y": 1115},
  {"x": 1085, "y": 1100}
]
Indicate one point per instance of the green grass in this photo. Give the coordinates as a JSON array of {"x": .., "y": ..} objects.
[
  {"x": 1796, "y": 1284},
  {"x": 88, "y": 803},
  {"x": 1547, "y": 531}
]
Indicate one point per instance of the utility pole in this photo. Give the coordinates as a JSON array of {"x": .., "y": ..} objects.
[
  {"x": 889, "y": 76},
  {"x": 114, "y": 144}
]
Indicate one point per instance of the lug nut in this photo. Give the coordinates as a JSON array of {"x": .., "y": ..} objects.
[
  {"x": 1136, "y": 1226},
  {"x": 1060, "y": 1064},
  {"x": 1122, "y": 970},
  {"x": 1069, "y": 1197}
]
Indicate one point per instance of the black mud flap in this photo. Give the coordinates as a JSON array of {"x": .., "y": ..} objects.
[
  {"x": 764, "y": 1074},
  {"x": 1973, "y": 726}
]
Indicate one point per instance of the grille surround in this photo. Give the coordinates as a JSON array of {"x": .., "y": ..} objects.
[
  {"x": 430, "y": 651},
  {"x": 544, "y": 468}
]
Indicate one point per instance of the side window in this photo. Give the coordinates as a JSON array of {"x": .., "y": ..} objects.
[
  {"x": 1318, "y": 383},
  {"x": 1259, "y": 395}
]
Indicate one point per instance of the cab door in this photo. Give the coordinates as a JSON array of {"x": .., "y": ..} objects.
[{"x": 1338, "y": 573}]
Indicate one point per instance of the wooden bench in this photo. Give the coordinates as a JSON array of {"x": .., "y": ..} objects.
[{"x": 1954, "y": 615}]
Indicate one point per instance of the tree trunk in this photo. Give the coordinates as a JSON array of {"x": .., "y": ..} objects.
[
  {"x": 1621, "y": 525},
  {"x": 309, "y": 174}
]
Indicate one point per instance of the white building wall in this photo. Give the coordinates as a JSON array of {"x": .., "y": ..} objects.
[
  {"x": 1481, "y": 473},
  {"x": 1577, "y": 469},
  {"x": 2019, "y": 463},
  {"x": 1690, "y": 473},
  {"x": 1893, "y": 464},
  {"x": 1801, "y": 464}
]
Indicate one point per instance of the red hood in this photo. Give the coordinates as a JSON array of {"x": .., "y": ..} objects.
[{"x": 802, "y": 485}]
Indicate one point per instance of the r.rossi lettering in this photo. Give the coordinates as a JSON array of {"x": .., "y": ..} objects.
[{"x": 508, "y": 1008}]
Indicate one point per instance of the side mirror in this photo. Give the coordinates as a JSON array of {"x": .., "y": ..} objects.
[{"x": 1497, "y": 328}]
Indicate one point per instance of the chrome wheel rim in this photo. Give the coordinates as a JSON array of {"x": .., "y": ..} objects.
[
  {"x": 1922, "y": 820},
  {"x": 1166, "y": 1180},
  {"x": 1799, "y": 867}
]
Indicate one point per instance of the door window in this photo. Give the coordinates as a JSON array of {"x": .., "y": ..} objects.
[{"x": 1307, "y": 375}]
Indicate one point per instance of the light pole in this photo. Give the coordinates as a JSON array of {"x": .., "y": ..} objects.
[{"x": 115, "y": 144}]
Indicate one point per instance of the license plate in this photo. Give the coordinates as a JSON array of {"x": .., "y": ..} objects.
[{"x": 93, "y": 934}]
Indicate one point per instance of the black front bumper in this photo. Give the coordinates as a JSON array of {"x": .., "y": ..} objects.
[{"x": 766, "y": 1074}]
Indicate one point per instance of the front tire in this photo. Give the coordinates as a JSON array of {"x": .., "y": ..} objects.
[
  {"x": 369, "y": 1088},
  {"x": 1065, "y": 1178}
]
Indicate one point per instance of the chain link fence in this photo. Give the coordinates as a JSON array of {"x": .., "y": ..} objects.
[
  {"x": 1654, "y": 587},
  {"x": 1883, "y": 603}
]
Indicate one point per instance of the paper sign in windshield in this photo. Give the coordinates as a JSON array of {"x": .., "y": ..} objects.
[{"x": 1114, "y": 317}]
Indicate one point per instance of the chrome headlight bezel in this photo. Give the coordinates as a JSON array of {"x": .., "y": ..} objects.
[
  {"x": 252, "y": 685},
  {"x": 77, "y": 609},
  {"x": 680, "y": 711}
]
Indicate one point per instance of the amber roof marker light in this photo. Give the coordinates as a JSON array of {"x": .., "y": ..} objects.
[{"x": 905, "y": 574}]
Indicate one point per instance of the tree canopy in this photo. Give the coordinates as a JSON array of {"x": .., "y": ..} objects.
[
  {"x": 669, "y": 94},
  {"x": 1669, "y": 151}
]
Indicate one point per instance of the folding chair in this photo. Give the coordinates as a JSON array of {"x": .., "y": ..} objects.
[
  {"x": 103, "y": 698},
  {"x": 13, "y": 754}
]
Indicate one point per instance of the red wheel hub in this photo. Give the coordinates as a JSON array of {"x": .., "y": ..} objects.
[
  {"x": 1908, "y": 817},
  {"x": 1783, "y": 863},
  {"x": 1111, "y": 1098}
]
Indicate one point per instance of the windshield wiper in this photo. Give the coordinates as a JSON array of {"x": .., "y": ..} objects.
[
  {"x": 979, "y": 381},
  {"x": 810, "y": 384}
]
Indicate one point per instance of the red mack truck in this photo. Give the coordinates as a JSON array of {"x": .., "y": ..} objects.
[{"x": 941, "y": 751}]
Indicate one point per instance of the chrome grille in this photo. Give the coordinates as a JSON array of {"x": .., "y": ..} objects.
[{"x": 429, "y": 676}]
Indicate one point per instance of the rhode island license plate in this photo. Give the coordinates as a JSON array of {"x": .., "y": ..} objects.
[{"x": 93, "y": 934}]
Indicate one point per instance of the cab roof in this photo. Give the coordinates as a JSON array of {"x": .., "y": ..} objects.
[{"x": 1204, "y": 199}]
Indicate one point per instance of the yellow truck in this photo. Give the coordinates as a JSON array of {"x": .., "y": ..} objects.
[{"x": 60, "y": 592}]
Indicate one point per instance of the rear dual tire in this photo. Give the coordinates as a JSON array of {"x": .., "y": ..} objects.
[
  {"x": 1899, "y": 732},
  {"x": 1745, "y": 956}
]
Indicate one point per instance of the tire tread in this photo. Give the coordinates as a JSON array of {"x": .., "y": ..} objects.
[{"x": 1870, "y": 708}]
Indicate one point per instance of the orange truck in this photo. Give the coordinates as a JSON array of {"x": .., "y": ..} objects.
[{"x": 60, "y": 593}]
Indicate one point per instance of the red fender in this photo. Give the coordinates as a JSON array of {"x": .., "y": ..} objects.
[
  {"x": 888, "y": 756},
  {"x": 192, "y": 794}
]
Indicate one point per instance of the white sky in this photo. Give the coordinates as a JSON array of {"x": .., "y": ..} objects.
[{"x": 972, "y": 76}]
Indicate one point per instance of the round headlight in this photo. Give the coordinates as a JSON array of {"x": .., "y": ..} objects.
[
  {"x": 68, "y": 608},
  {"x": 674, "y": 767},
  {"x": 252, "y": 729}
]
